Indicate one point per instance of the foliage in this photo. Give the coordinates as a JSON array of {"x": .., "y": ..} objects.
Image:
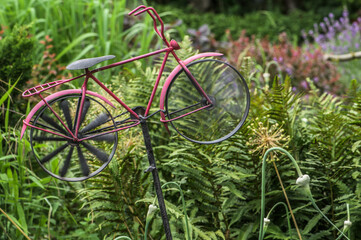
[
  {"x": 81, "y": 29},
  {"x": 236, "y": 7},
  {"x": 221, "y": 182},
  {"x": 284, "y": 59},
  {"x": 41, "y": 206},
  {"x": 15, "y": 57},
  {"x": 338, "y": 36},
  {"x": 47, "y": 69},
  {"x": 264, "y": 23}
]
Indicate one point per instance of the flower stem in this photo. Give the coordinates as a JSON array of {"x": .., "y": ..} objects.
[
  {"x": 288, "y": 202},
  {"x": 183, "y": 204},
  {"x": 287, "y": 215}
]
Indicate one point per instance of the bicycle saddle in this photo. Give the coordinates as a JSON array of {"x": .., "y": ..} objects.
[{"x": 87, "y": 62}]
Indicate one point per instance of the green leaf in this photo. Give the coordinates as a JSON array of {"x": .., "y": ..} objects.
[
  {"x": 7, "y": 94},
  {"x": 355, "y": 146},
  {"x": 37, "y": 182},
  {"x": 75, "y": 42},
  {"x": 22, "y": 218}
]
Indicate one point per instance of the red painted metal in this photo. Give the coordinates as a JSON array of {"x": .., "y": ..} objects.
[
  {"x": 46, "y": 130},
  {"x": 171, "y": 47},
  {"x": 114, "y": 96},
  {"x": 57, "y": 116},
  {"x": 54, "y": 96},
  {"x": 176, "y": 118},
  {"x": 156, "y": 84},
  {"x": 41, "y": 88},
  {"x": 137, "y": 122},
  {"x": 82, "y": 100},
  {"x": 174, "y": 73},
  {"x": 149, "y": 10},
  {"x": 168, "y": 49}
]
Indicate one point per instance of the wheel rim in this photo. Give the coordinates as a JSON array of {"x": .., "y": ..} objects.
[
  {"x": 224, "y": 85},
  {"x": 65, "y": 158}
]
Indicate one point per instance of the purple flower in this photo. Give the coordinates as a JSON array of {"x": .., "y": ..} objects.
[
  {"x": 323, "y": 26},
  {"x": 315, "y": 26},
  {"x": 310, "y": 32},
  {"x": 289, "y": 71},
  {"x": 357, "y": 45},
  {"x": 316, "y": 79},
  {"x": 327, "y": 21},
  {"x": 343, "y": 21},
  {"x": 331, "y": 15},
  {"x": 345, "y": 14},
  {"x": 304, "y": 84},
  {"x": 354, "y": 29},
  {"x": 304, "y": 36}
]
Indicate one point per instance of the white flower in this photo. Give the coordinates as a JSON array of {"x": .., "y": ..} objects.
[
  {"x": 151, "y": 209},
  {"x": 266, "y": 75},
  {"x": 347, "y": 224},
  {"x": 303, "y": 180},
  {"x": 266, "y": 221}
]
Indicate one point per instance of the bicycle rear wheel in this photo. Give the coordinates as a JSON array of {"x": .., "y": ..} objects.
[
  {"x": 227, "y": 90},
  {"x": 59, "y": 154}
]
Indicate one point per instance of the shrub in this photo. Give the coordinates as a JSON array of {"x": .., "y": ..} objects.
[
  {"x": 283, "y": 58},
  {"x": 260, "y": 24},
  {"x": 338, "y": 36},
  {"x": 15, "y": 56}
]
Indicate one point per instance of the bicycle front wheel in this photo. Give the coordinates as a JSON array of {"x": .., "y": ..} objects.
[{"x": 187, "y": 108}]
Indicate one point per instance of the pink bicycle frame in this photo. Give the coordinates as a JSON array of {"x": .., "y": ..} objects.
[{"x": 171, "y": 47}]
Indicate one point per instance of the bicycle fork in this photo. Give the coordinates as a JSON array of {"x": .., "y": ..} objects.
[{"x": 192, "y": 79}]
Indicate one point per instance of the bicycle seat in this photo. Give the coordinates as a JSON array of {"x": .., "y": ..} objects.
[{"x": 87, "y": 62}]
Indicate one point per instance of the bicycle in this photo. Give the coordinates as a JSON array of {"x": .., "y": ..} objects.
[{"x": 204, "y": 99}]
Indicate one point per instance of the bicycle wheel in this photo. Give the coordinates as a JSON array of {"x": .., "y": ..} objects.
[
  {"x": 60, "y": 155},
  {"x": 227, "y": 90}
]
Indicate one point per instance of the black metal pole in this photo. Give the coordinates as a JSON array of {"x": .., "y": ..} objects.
[{"x": 158, "y": 189}]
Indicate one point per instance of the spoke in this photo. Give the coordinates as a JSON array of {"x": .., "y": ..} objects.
[
  {"x": 48, "y": 157},
  {"x": 102, "y": 156},
  {"x": 101, "y": 119},
  {"x": 109, "y": 128},
  {"x": 52, "y": 123},
  {"x": 109, "y": 137},
  {"x": 82, "y": 161},
  {"x": 46, "y": 126},
  {"x": 85, "y": 110},
  {"x": 64, "y": 105},
  {"x": 66, "y": 165},
  {"x": 49, "y": 139},
  {"x": 185, "y": 108}
]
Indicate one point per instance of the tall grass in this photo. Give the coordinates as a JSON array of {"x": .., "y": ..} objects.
[
  {"x": 32, "y": 204},
  {"x": 82, "y": 29}
]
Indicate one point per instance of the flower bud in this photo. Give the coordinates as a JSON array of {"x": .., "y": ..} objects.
[
  {"x": 266, "y": 75},
  {"x": 347, "y": 224},
  {"x": 151, "y": 209},
  {"x": 303, "y": 180},
  {"x": 266, "y": 221}
]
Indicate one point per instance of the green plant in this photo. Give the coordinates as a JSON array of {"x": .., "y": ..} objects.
[
  {"x": 15, "y": 56},
  {"x": 284, "y": 59}
]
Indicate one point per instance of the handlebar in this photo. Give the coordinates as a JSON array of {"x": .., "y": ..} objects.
[{"x": 149, "y": 10}]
